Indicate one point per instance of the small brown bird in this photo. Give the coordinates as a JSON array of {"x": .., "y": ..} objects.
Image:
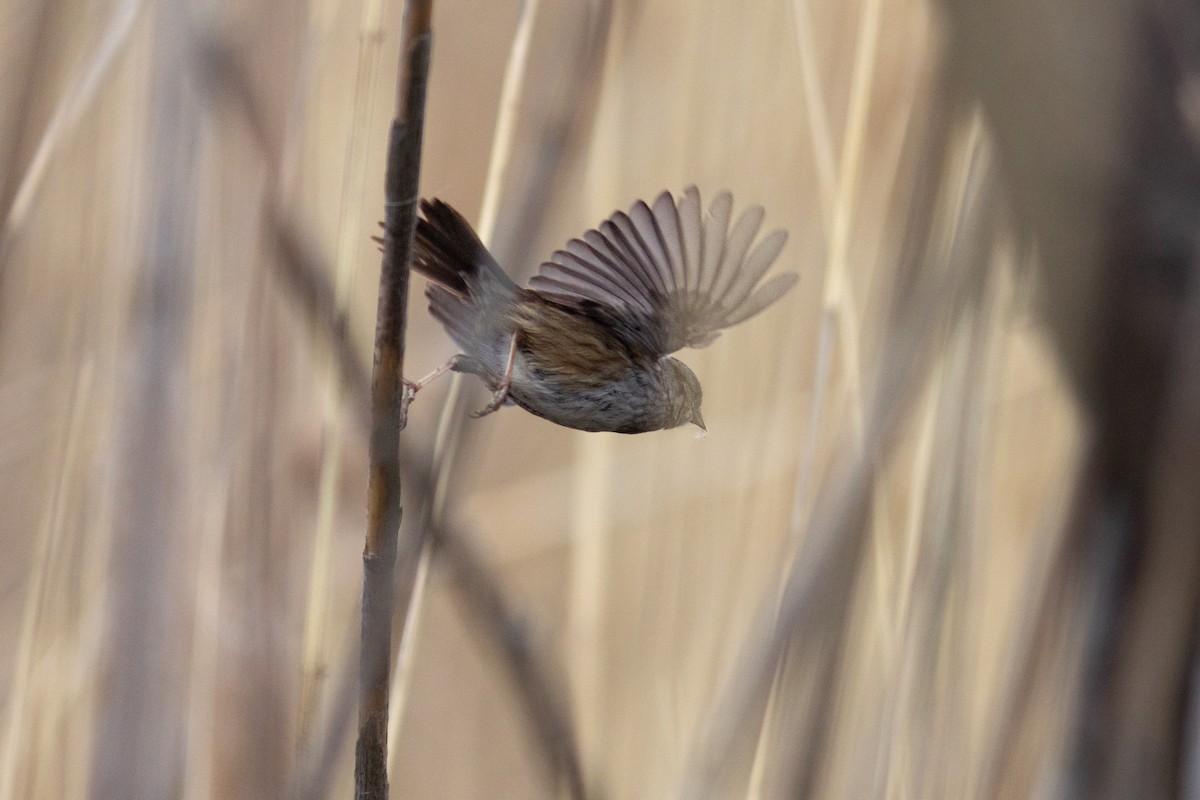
[{"x": 587, "y": 344}]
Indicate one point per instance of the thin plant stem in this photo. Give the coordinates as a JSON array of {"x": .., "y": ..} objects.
[
  {"x": 140, "y": 723},
  {"x": 75, "y": 102},
  {"x": 388, "y": 399},
  {"x": 48, "y": 539},
  {"x": 362, "y": 139}
]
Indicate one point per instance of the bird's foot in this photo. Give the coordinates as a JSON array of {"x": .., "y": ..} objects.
[
  {"x": 500, "y": 393},
  {"x": 408, "y": 390},
  {"x": 499, "y": 398}
]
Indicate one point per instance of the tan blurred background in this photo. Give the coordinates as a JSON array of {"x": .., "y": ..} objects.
[{"x": 184, "y": 479}]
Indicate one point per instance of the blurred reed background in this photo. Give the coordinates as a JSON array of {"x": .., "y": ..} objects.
[{"x": 874, "y": 577}]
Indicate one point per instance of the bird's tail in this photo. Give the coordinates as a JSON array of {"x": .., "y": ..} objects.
[
  {"x": 468, "y": 291},
  {"x": 447, "y": 252}
]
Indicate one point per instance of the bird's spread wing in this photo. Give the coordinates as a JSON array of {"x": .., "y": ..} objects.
[{"x": 677, "y": 276}]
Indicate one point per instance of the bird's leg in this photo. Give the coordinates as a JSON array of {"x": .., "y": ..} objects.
[
  {"x": 412, "y": 387},
  {"x": 415, "y": 386},
  {"x": 500, "y": 393}
]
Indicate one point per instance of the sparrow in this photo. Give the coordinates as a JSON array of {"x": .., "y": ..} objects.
[{"x": 587, "y": 345}]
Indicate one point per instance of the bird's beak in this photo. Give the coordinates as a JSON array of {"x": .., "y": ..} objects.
[{"x": 698, "y": 420}]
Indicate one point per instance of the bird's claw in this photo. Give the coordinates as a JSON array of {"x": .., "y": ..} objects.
[
  {"x": 408, "y": 390},
  {"x": 499, "y": 397}
]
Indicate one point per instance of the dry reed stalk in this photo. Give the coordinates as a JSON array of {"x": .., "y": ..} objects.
[
  {"x": 838, "y": 179},
  {"x": 139, "y": 742},
  {"x": 34, "y": 619},
  {"x": 36, "y": 28},
  {"x": 918, "y": 601},
  {"x": 506, "y": 121},
  {"x": 930, "y": 634},
  {"x": 71, "y": 108},
  {"x": 592, "y": 485},
  {"x": 540, "y": 691},
  {"x": 322, "y": 301},
  {"x": 816, "y": 112},
  {"x": 963, "y": 271},
  {"x": 388, "y": 412},
  {"x": 1047, "y": 587},
  {"x": 205, "y": 663},
  {"x": 316, "y": 649},
  {"x": 561, "y": 134},
  {"x": 1152, "y": 693}
]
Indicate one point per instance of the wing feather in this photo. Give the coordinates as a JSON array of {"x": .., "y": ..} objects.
[
  {"x": 715, "y": 230},
  {"x": 767, "y": 294},
  {"x": 666, "y": 215},
  {"x": 691, "y": 237},
  {"x": 753, "y": 268},
  {"x": 739, "y": 241},
  {"x": 608, "y": 250},
  {"x": 667, "y": 277},
  {"x": 601, "y": 265},
  {"x": 581, "y": 275},
  {"x": 619, "y": 230},
  {"x": 651, "y": 238}
]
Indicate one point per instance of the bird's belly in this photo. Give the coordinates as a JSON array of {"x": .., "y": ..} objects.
[{"x": 624, "y": 405}]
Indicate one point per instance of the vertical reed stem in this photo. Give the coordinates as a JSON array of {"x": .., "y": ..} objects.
[{"x": 388, "y": 409}]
